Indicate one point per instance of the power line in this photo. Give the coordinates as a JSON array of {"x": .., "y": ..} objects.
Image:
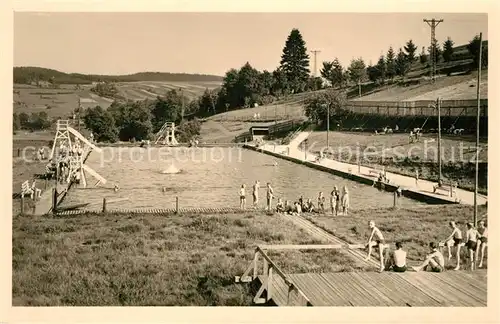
[
  {"x": 433, "y": 24},
  {"x": 315, "y": 52}
]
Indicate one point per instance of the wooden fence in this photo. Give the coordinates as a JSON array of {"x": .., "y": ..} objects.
[{"x": 418, "y": 108}]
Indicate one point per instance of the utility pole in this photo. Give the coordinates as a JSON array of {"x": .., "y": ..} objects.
[
  {"x": 182, "y": 109},
  {"x": 315, "y": 52},
  {"x": 438, "y": 105},
  {"x": 433, "y": 24},
  {"x": 327, "y": 126},
  {"x": 477, "y": 125}
]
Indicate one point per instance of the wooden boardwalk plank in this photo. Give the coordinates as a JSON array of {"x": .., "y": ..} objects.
[
  {"x": 465, "y": 286},
  {"x": 307, "y": 289},
  {"x": 458, "y": 290},
  {"x": 387, "y": 288},
  {"x": 421, "y": 282},
  {"x": 321, "y": 289},
  {"x": 412, "y": 295},
  {"x": 376, "y": 298},
  {"x": 339, "y": 300}
]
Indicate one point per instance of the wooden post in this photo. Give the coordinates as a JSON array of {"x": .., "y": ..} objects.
[
  {"x": 395, "y": 199},
  {"x": 255, "y": 261},
  {"x": 265, "y": 267},
  {"x": 103, "y": 205},
  {"x": 45, "y": 184},
  {"x": 18, "y": 152},
  {"x": 270, "y": 284},
  {"x": 476, "y": 182},
  {"x": 54, "y": 200},
  {"x": 176, "y": 204},
  {"x": 22, "y": 205}
]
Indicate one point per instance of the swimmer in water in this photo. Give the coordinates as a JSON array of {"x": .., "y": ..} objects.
[
  {"x": 116, "y": 188},
  {"x": 275, "y": 163}
]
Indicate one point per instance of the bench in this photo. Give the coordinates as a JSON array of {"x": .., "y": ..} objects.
[
  {"x": 449, "y": 189},
  {"x": 26, "y": 189}
]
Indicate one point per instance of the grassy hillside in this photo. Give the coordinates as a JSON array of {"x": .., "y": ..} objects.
[
  {"x": 29, "y": 74},
  {"x": 61, "y": 102}
]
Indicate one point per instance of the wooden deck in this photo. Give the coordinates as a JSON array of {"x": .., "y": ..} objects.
[{"x": 413, "y": 289}]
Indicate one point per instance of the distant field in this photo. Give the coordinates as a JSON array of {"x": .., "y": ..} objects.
[{"x": 61, "y": 102}]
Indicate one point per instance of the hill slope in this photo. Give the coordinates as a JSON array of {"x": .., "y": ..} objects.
[{"x": 29, "y": 74}]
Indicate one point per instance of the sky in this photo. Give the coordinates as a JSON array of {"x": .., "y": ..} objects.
[{"x": 212, "y": 43}]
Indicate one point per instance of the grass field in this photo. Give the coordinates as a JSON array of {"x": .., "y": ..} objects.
[
  {"x": 423, "y": 155},
  {"x": 61, "y": 102},
  {"x": 125, "y": 260},
  {"x": 448, "y": 88},
  {"x": 150, "y": 260},
  {"x": 399, "y": 225}
]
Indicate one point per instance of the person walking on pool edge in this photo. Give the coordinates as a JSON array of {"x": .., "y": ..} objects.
[
  {"x": 269, "y": 196},
  {"x": 255, "y": 193},
  {"x": 243, "y": 199},
  {"x": 376, "y": 239}
]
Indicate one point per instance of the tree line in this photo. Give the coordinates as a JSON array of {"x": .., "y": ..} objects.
[
  {"x": 398, "y": 64},
  {"x": 31, "y": 74}
]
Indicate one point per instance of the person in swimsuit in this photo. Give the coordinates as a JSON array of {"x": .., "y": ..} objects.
[
  {"x": 280, "y": 207},
  {"x": 376, "y": 239},
  {"x": 434, "y": 261},
  {"x": 471, "y": 237},
  {"x": 416, "y": 178},
  {"x": 397, "y": 261},
  {"x": 321, "y": 202},
  {"x": 333, "y": 202},
  {"x": 345, "y": 201},
  {"x": 483, "y": 241},
  {"x": 269, "y": 196},
  {"x": 338, "y": 202},
  {"x": 454, "y": 240},
  {"x": 255, "y": 193},
  {"x": 243, "y": 199}
]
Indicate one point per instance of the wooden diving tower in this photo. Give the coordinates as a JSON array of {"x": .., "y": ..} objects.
[
  {"x": 166, "y": 135},
  {"x": 72, "y": 140}
]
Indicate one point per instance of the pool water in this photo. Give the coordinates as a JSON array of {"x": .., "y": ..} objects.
[{"x": 210, "y": 177}]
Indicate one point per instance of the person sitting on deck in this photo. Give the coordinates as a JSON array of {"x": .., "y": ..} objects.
[
  {"x": 455, "y": 239},
  {"x": 434, "y": 261},
  {"x": 397, "y": 261},
  {"x": 376, "y": 239},
  {"x": 298, "y": 208},
  {"x": 309, "y": 208},
  {"x": 483, "y": 241},
  {"x": 301, "y": 201},
  {"x": 280, "y": 207},
  {"x": 288, "y": 207},
  {"x": 471, "y": 238}
]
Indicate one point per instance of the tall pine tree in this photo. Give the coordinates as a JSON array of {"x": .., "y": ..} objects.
[
  {"x": 410, "y": 50},
  {"x": 295, "y": 61},
  {"x": 402, "y": 64},
  {"x": 448, "y": 50},
  {"x": 390, "y": 63},
  {"x": 381, "y": 68}
]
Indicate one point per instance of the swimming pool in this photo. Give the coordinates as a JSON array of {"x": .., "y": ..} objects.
[{"x": 210, "y": 177}]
